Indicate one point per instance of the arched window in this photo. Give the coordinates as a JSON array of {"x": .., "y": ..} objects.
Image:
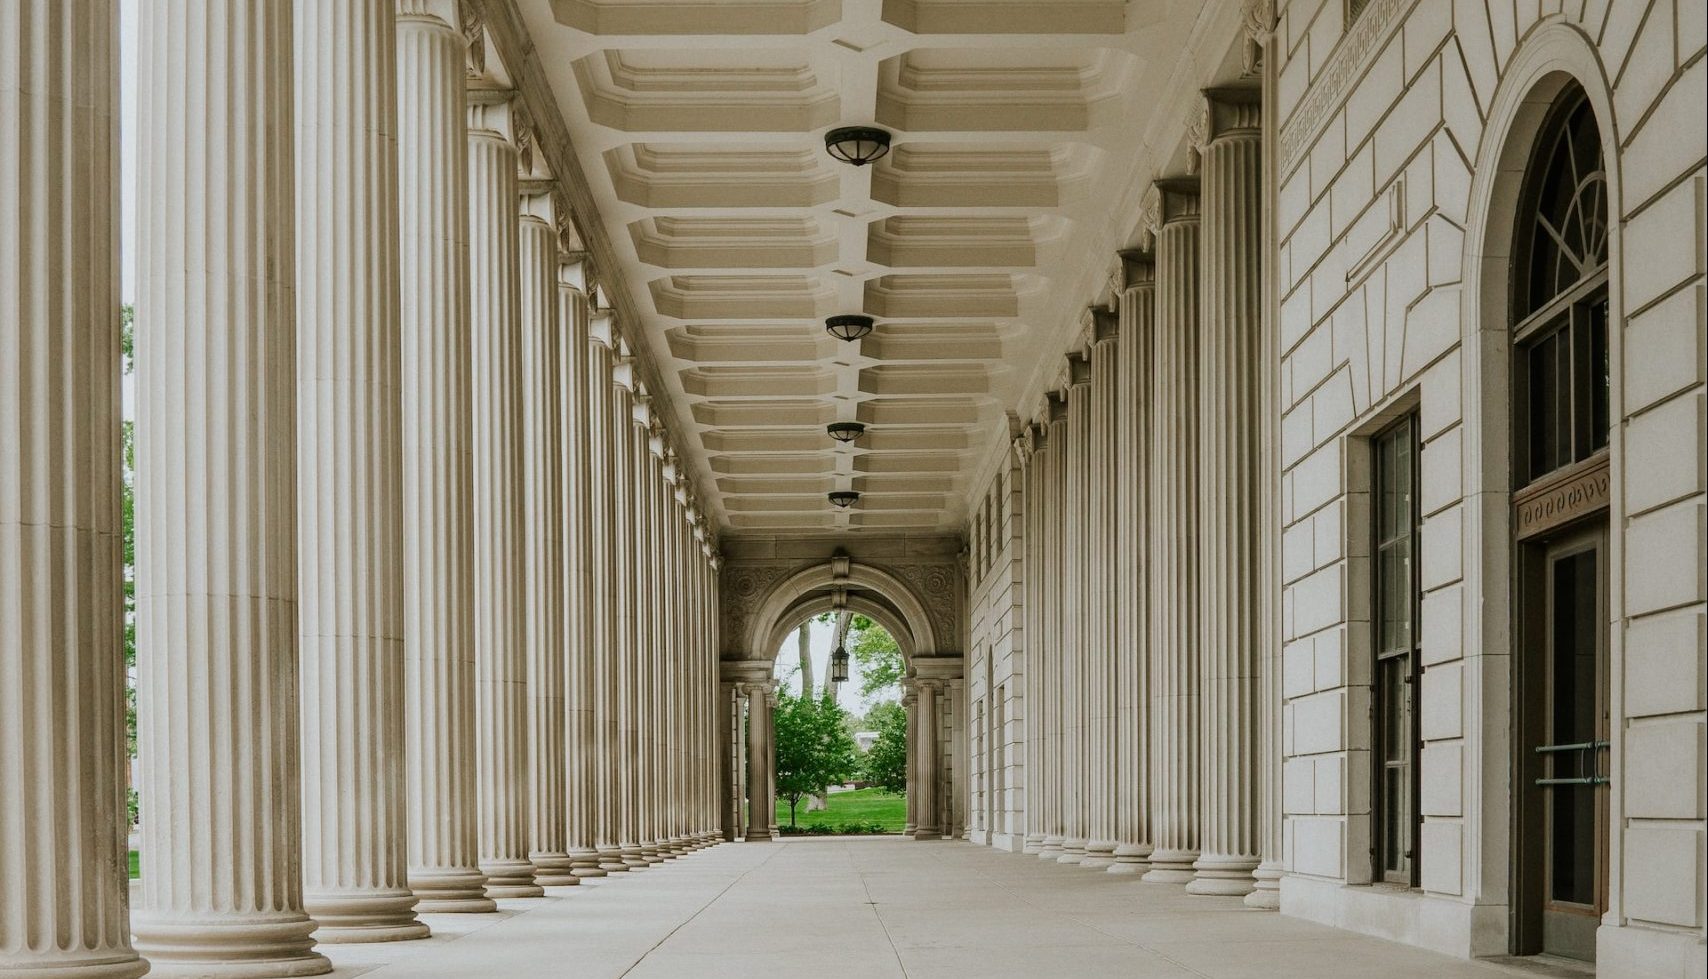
[{"x": 1560, "y": 301}]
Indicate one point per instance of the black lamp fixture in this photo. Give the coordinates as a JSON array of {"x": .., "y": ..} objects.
[
  {"x": 858, "y": 145},
  {"x": 845, "y": 431},
  {"x": 839, "y": 665},
  {"x": 848, "y": 326},
  {"x": 844, "y": 498}
]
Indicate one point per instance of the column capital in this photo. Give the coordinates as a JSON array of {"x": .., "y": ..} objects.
[
  {"x": 1078, "y": 369},
  {"x": 442, "y": 12},
  {"x": 1138, "y": 268},
  {"x": 492, "y": 113},
  {"x": 1232, "y": 110},
  {"x": 1257, "y": 18},
  {"x": 601, "y": 330},
  {"x": 1055, "y": 406},
  {"x": 1105, "y": 325},
  {"x": 622, "y": 368},
  {"x": 572, "y": 269},
  {"x": 539, "y": 200}
]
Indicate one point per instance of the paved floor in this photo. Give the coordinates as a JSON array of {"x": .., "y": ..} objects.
[{"x": 883, "y": 907}]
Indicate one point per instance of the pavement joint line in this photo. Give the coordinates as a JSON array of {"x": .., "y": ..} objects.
[
  {"x": 698, "y": 911},
  {"x": 864, "y": 886}
]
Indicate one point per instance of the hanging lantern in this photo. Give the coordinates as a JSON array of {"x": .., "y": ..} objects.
[
  {"x": 844, "y": 498},
  {"x": 839, "y": 665},
  {"x": 858, "y": 145},
  {"x": 845, "y": 431},
  {"x": 848, "y": 326}
]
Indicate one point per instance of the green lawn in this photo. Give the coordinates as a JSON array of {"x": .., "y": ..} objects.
[
  {"x": 135, "y": 862},
  {"x": 860, "y": 805}
]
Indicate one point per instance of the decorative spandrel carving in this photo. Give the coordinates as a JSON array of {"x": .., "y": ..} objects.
[
  {"x": 938, "y": 586},
  {"x": 741, "y": 587}
]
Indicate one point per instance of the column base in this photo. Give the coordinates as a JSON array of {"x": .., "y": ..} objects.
[
  {"x": 454, "y": 890},
  {"x": 923, "y": 833},
  {"x": 1131, "y": 858},
  {"x": 611, "y": 860},
  {"x": 102, "y": 963},
  {"x": 633, "y": 858},
  {"x": 1266, "y": 895},
  {"x": 585, "y": 863},
  {"x": 1050, "y": 848},
  {"x": 757, "y": 834},
  {"x": 553, "y": 869},
  {"x": 908, "y": 828},
  {"x": 352, "y": 916},
  {"x": 1032, "y": 843},
  {"x": 510, "y": 878},
  {"x": 651, "y": 853},
  {"x": 229, "y": 946},
  {"x": 1222, "y": 875},
  {"x": 1171, "y": 866},
  {"x": 1099, "y": 854},
  {"x": 1073, "y": 851}
]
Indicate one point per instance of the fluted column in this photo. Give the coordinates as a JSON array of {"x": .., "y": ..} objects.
[
  {"x": 1074, "y": 604},
  {"x": 603, "y": 463},
  {"x": 758, "y": 794},
  {"x": 63, "y": 895},
  {"x": 1053, "y": 617},
  {"x": 1134, "y": 355},
  {"x": 1106, "y": 481},
  {"x": 771, "y": 758},
  {"x": 438, "y": 488},
  {"x": 649, "y": 568},
  {"x": 1173, "y": 518},
  {"x": 1030, "y": 446},
  {"x": 625, "y": 477},
  {"x": 542, "y": 534},
  {"x": 926, "y": 760},
  {"x": 910, "y": 701},
  {"x": 501, "y": 661},
  {"x": 216, "y": 543},
  {"x": 350, "y": 474},
  {"x": 579, "y": 483},
  {"x": 1230, "y": 452}
]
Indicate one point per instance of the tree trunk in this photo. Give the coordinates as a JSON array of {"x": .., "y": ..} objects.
[{"x": 803, "y": 639}]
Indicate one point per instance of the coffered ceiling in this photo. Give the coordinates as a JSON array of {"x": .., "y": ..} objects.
[{"x": 1022, "y": 132}]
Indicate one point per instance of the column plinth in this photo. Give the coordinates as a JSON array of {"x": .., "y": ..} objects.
[
  {"x": 61, "y": 706},
  {"x": 216, "y": 541}
]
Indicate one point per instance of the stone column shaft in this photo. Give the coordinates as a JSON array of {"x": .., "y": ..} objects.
[
  {"x": 1053, "y": 618},
  {"x": 625, "y": 477},
  {"x": 1074, "y": 603},
  {"x": 216, "y": 496},
  {"x": 909, "y": 702},
  {"x": 501, "y": 662},
  {"x": 648, "y": 592},
  {"x": 1134, "y": 352},
  {"x": 542, "y": 532},
  {"x": 930, "y": 824},
  {"x": 1174, "y": 543},
  {"x": 1031, "y": 699},
  {"x": 438, "y": 487},
  {"x": 1106, "y": 484},
  {"x": 350, "y": 474},
  {"x": 758, "y": 794},
  {"x": 1230, "y": 455},
  {"x": 580, "y": 482},
  {"x": 603, "y": 463},
  {"x": 63, "y": 893}
]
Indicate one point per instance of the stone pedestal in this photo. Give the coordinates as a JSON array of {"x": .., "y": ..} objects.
[
  {"x": 1174, "y": 541},
  {"x": 1231, "y": 422},
  {"x": 61, "y": 704},
  {"x": 438, "y": 488},
  {"x": 501, "y": 665}
]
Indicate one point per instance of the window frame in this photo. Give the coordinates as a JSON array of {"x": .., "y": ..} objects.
[{"x": 1412, "y": 667}]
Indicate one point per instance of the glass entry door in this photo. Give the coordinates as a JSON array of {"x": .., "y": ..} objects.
[{"x": 1566, "y": 667}]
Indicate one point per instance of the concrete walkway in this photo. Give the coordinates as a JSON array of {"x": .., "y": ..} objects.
[{"x": 879, "y": 907}]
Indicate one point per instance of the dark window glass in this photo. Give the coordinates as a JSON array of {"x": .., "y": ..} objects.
[
  {"x": 1572, "y": 661},
  {"x": 1568, "y": 227},
  {"x": 1395, "y": 681}
]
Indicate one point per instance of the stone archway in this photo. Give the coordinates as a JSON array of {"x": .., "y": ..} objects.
[{"x": 918, "y": 603}]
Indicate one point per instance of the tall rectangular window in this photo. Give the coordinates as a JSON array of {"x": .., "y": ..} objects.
[{"x": 1395, "y": 677}]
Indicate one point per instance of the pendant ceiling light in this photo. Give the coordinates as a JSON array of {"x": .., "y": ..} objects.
[
  {"x": 839, "y": 665},
  {"x": 858, "y": 145},
  {"x": 844, "y": 498},
  {"x": 848, "y": 326},
  {"x": 845, "y": 431}
]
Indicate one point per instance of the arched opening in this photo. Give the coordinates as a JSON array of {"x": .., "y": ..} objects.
[
  {"x": 1558, "y": 314},
  {"x": 840, "y": 727}
]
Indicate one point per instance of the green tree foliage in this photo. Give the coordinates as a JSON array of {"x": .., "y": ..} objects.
[
  {"x": 872, "y": 646},
  {"x": 886, "y": 762},
  {"x": 814, "y": 748},
  {"x": 127, "y": 539}
]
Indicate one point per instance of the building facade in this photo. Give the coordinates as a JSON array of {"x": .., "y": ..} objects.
[{"x": 1281, "y": 459}]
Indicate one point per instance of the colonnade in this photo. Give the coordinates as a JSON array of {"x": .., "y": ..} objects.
[
  {"x": 1144, "y": 548},
  {"x": 425, "y": 605}
]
